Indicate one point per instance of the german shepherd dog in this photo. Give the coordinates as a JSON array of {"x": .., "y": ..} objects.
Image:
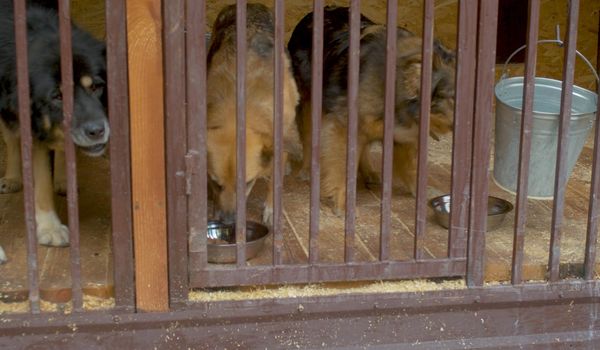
[
  {"x": 371, "y": 99},
  {"x": 221, "y": 106},
  {"x": 89, "y": 130}
]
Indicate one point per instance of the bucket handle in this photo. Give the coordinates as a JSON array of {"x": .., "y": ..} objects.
[{"x": 560, "y": 44}]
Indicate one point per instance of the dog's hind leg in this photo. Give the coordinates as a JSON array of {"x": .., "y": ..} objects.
[
  {"x": 12, "y": 180},
  {"x": 2, "y": 256},
  {"x": 370, "y": 176},
  {"x": 50, "y": 231},
  {"x": 60, "y": 177},
  {"x": 405, "y": 167}
]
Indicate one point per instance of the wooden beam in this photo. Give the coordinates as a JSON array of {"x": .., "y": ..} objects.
[{"x": 147, "y": 153}]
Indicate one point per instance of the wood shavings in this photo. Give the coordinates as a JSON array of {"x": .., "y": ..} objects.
[{"x": 250, "y": 293}]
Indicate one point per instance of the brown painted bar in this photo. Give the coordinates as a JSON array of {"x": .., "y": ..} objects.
[
  {"x": 353, "y": 80},
  {"x": 525, "y": 141},
  {"x": 196, "y": 182},
  {"x": 388, "y": 130},
  {"x": 222, "y": 275},
  {"x": 278, "y": 132},
  {"x": 175, "y": 113},
  {"x": 484, "y": 95},
  {"x": 592, "y": 225},
  {"x": 147, "y": 129},
  {"x": 120, "y": 162},
  {"x": 20, "y": 18},
  {"x": 240, "y": 219},
  {"x": 560, "y": 180},
  {"x": 463, "y": 125},
  {"x": 316, "y": 103},
  {"x": 66, "y": 68},
  {"x": 426, "y": 72}
]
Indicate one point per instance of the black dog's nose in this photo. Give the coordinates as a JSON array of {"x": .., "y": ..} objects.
[{"x": 94, "y": 130}]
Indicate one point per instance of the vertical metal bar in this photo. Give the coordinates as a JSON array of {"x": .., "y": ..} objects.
[
  {"x": 351, "y": 163},
  {"x": 20, "y": 18},
  {"x": 196, "y": 49},
  {"x": 66, "y": 68},
  {"x": 175, "y": 113},
  {"x": 486, "y": 59},
  {"x": 240, "y": 219},
  {"x": 463, "y": 121},
  {"x": 120, "y": 151},
  {"x": 426, "y": 72},
  {"x": 278, "y": 132},
  {"x": 388, "y": 130},
  {"x": 560, "y": 180},
  {"x": 592, "y": 226},
  {"x": 525, "y": 142},
  {"x": 316, "y": 112}
]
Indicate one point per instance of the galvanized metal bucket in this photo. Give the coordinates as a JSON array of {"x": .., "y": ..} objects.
[{"x": 544, "y": 131}]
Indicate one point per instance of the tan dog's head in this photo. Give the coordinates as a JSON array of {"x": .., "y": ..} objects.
[{"x": 222, "y": 163}]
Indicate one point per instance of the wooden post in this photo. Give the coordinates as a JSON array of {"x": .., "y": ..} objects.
[{"x": 147, "y": 153}]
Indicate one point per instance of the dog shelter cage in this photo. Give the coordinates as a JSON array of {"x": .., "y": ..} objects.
[{"x": 156, "y": 58}]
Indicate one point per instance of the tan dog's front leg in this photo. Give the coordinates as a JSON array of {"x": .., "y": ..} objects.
[
  {"x": 50, "y": 231},
  {"x": 60, "y": 176},
  {"x": 405, "y": 167},
  {"x": 11, "y": 182}
]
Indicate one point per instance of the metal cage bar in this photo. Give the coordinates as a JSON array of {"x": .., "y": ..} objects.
[
  {"x": 120, "y": 151},
  {"x": 240, "y": 219},
  {"x": 388, "y": 130},
  {"x": 560, "y": 181},
  {"x": 525, "y": 142},
  {"x": 486, "y": 59},
  {"x": 592, "y": 226},
  {"x": 316, "y": 112},
  {"x": 351, "y": 162},
  {"x": 196, "y": 52},
  {"x": 426, "y": 73},
  {"x": 463, "y": 127},
  {"x": 175, "y": 113},
  {"x": 278, "y": 159},
  {"x": 20, "y": 19},
  {"x": 66, "y": 62}
]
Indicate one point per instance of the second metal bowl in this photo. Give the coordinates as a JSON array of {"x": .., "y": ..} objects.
[{"x": 497, "y": 210}]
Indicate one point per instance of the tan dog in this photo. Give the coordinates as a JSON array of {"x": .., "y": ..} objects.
[
  {"x": 371, "y": 99},
  {"x": 221, "y": 138}
]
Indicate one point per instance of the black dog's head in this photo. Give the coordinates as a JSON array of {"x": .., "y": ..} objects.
[{"x": 89, "y": 127}]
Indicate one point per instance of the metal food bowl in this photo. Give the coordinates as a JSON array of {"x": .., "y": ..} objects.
[
  {"x": 497, "y": 210},
  {"x": 221, "y": 241}
]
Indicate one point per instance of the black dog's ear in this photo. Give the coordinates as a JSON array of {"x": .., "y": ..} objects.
[{"x": 443, "y": 53}]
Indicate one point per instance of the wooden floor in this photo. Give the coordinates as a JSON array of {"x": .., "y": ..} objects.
[{"x": 54, "y": 263}]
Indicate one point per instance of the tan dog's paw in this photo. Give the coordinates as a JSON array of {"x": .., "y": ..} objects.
[
  {"x": 60, "y": 187},
  {"x": 267, "y": 217},
  {"x": 8, "y": 185},
  {"x": 372, "y": 180},
  {"x": 303, "y": 175},
  {"x": 56, "y": 235},
  {"x": 2, "y": 256}
]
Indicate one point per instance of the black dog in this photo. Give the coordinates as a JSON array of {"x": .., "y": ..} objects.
[
  {"x": 89, "y": 129},
  {"x": 371, "y": 93}
]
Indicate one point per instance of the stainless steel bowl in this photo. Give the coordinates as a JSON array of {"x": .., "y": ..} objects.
[
  {"x": 221, "y": 241},
  {"x": 497, "y": 210}
]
